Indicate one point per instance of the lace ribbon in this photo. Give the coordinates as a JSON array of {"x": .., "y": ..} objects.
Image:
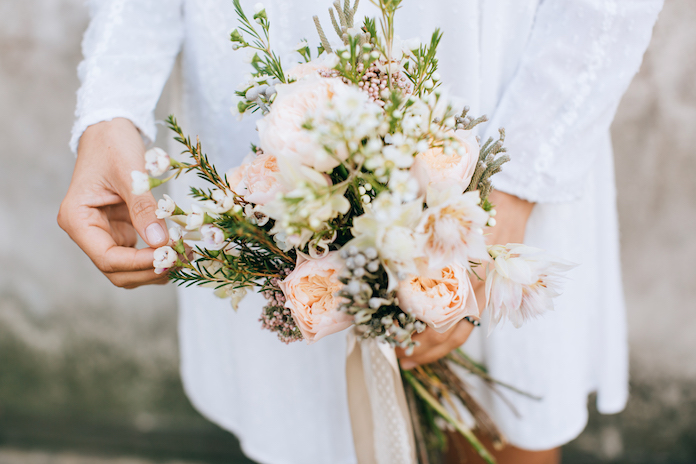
[{"x": 382, "y": 429}]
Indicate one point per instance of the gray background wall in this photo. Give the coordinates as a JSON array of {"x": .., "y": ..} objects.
[{"x": 87, "y": 366}]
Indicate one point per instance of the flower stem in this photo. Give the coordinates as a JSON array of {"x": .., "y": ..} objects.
[{"x": 461, "y": 428}]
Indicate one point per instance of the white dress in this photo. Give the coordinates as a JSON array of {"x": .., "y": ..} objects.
[{"x": 552, "y": 72}]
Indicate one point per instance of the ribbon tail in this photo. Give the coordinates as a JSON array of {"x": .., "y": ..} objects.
[{"x": 380, "y": 418}]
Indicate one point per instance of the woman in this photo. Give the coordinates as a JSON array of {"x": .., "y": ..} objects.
[{"x": 552, "y": 72}]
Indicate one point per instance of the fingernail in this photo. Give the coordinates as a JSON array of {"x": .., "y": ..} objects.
[
  {"x": 155, "y": 234},
  {"x": 407, "y": 365}
]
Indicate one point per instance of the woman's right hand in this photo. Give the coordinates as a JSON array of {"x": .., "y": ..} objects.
[{"x": 103, "y": 216}]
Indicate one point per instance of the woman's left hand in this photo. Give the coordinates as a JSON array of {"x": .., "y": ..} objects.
[{"x": 434, "y": 346}]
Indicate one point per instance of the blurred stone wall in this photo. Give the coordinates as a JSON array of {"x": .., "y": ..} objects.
[{"x": 75, "y": 350}]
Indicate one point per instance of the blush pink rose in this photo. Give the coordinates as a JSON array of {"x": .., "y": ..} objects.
[
  {"x": 440, "y": 299},
  {"x": 281, "y": 133},
  {"x": 324, "y": 63},
  {"x": 310, "y": 292},
  {"x": 434, "y": 166}
]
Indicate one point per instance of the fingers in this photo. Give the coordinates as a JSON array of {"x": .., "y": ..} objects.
[
  {"x": 130, "y": 280},
  {"x": 434, "y": 348},
  {"x": 124, "y": 234},
  {"x": 91, "y": 230},
  {"x": 142, "y": 214}
]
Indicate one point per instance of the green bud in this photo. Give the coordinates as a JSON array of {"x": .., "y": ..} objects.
[
  {"x": 179, "y": 247},
  {"x": 242, "y": 107},
  {"x": 236, "y": 36},
  {"x": 155, "y": 182}
]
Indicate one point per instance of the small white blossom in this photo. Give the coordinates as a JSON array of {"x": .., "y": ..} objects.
[
  {"x": 157, "y": 161},
  {"x": 141, "y": 182},
  {"x": 301, "y": 45},
  {"x": 258, "y": 8},
  {"x": 213, "y": 236},
  {"x": 403, "y": 185},
  {"x": 310, "y": 202},
  {"x": 165, "y": 207},
  {"x": 221, "y": 202},
  {"x": 165, "y": 258},
  {"x": 175, "y": 233},
  {"x": 248, "y": 58},
  {"x": 388, "y": 226},
  {"x": 195, "y": 219},
  {"x": 412, "y": 44},
  {"x": 353, "y": 31}
]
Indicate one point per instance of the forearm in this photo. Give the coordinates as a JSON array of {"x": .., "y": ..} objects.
[{"x": 512, "y": 214}]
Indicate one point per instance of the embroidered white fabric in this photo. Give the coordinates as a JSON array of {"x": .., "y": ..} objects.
[{"x": 551, "y": 72}]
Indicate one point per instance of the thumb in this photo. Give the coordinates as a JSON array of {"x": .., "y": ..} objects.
[{"x": 142, "y": 213}]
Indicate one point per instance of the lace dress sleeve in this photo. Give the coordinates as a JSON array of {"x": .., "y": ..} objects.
[
  {"x": 580, "y": 58},
  {"x": 129, "y": 51}
]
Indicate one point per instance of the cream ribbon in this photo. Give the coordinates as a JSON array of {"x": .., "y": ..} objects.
[{"x": 379, "y": 414}]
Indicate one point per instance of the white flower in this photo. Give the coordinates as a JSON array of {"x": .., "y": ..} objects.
[
  {"x": 301, "y": 45},
  {"x": 235, "y": 294},
  {"x": 521, "y": 283},
  {"x": 213, "y": 236},
  {"x": 195, "y": 219},
  {"x": 411, "y": 44},
  {"x": 165, "y": 258},
  {"x": 310, "y": 202},
  {"x": 258, "y": 8},
  {"x": 452, "y": 227},
  {"x": 221, "y": 202},
  {"x": 175, "y": 233},
  {"x": 157, "y": 161},
  {"x": 248, "y": 58},
  {"x": 388, "y": 226},
  {"x": 141, "y": 182},
  {"x": 165, "y": 207},
  {"x": 403, "y": 185}
]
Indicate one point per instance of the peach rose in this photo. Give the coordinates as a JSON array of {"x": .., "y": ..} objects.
[
  {"x": 440, "y": 299},
  {"x": 260, "y": 179},
  {"x": 434, "y": 166},
  {"x": 310, "y": 292},
  {"x": 281, "y": 133},
  {"x": 235, "y": 176},
  {"x": 255, "y": 179}
]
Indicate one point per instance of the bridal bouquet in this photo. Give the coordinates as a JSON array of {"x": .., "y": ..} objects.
[{"x": 362, "y": 206}]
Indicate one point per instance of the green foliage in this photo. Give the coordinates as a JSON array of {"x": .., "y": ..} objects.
[
  {"x": 492, "y": 156},
  {"x": 206, "y": 170},
  {"x": 425, "y": 64},
  {"x": 269, "y": 64}
]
